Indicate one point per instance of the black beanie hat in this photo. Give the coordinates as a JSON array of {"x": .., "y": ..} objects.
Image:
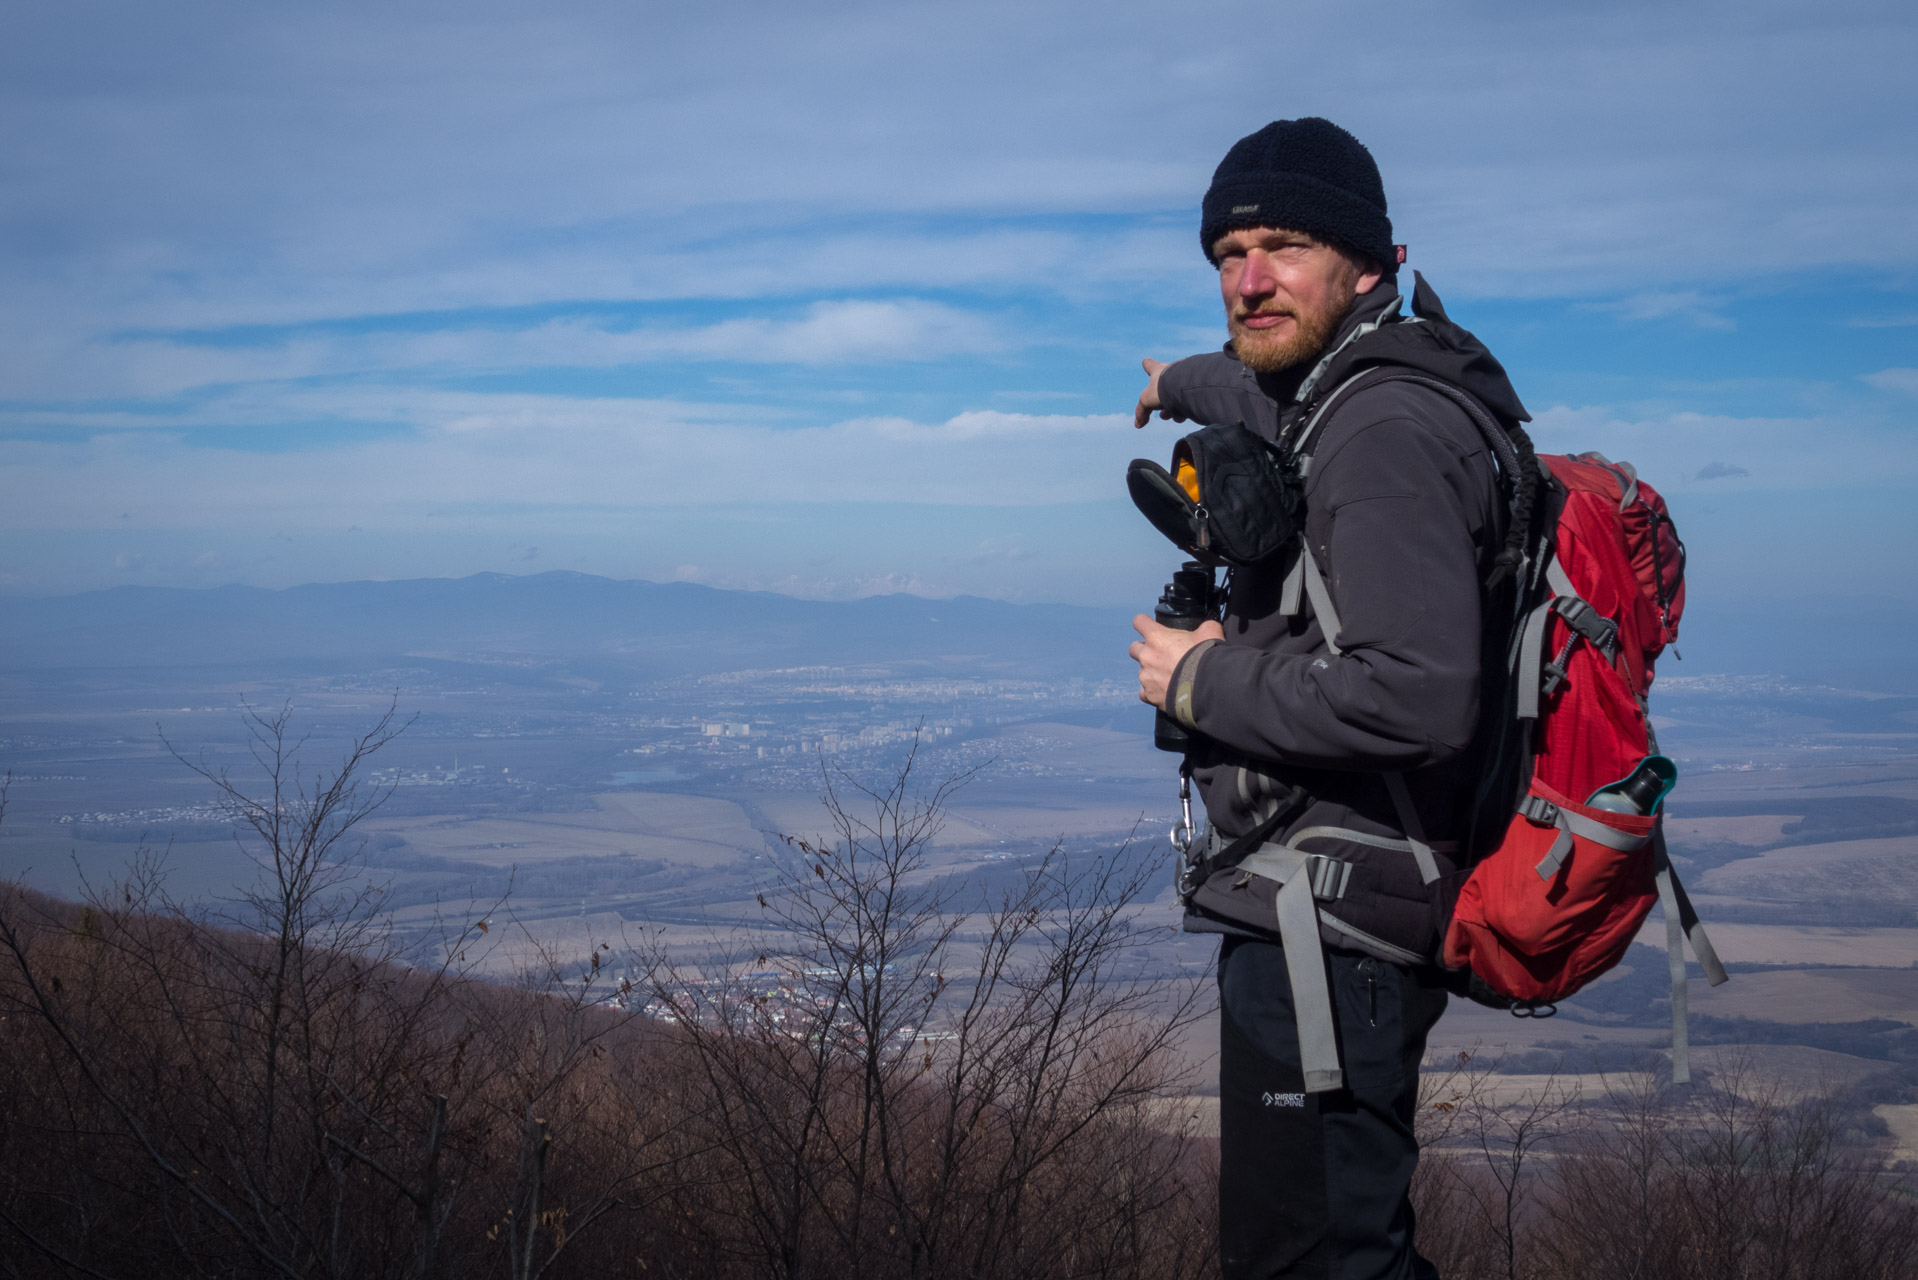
[{"x": 1303, "y": 175}]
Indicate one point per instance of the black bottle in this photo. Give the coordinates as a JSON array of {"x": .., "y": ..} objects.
[
  {"x": 1641, "y": 791},
  {"x": 1190, "y": 600}
]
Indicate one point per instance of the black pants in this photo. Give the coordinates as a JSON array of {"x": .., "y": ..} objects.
[{"x": 1314, "y": 1185}]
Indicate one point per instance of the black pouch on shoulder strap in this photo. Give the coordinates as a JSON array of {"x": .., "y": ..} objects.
[{"x": 1230, "y": 498}]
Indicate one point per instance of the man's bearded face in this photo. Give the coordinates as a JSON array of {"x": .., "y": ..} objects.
[{"x": 1285, "y": 294}]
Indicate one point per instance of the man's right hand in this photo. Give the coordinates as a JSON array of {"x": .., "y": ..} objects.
[{"x": 1149, "y": 398}]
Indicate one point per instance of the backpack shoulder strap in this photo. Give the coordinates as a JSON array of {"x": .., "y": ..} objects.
[{"x": 1518, "y": 464}]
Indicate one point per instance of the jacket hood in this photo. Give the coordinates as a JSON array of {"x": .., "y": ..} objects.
[{"x": 1427, "y": 341}]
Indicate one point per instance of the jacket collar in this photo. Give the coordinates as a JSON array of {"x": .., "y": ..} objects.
[{"x": 1426, "y": 341}]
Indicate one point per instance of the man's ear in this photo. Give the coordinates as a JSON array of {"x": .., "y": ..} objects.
[{"x": 1370, "y": 273}]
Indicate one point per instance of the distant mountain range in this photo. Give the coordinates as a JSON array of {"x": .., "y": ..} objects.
[
  {"x": 681, "y": 628},
  {"x": 662, "y": 628}
]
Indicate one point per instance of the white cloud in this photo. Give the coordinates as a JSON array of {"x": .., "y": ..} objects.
[
  {"x": 176, "y": 174},
  {"x": 266, "y": 163},
  {"x": 540, "y": 464},
  {"x": 487, "y": 460},
  {"x": 830, "y": 333},
  {"x": 840, "y": 332},
  {"x": 1688, "y": 305},
  {"x": 1901, "y": 380}
]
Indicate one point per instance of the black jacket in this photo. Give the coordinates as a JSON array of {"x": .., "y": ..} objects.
[{"x": 1404, "y": 512}]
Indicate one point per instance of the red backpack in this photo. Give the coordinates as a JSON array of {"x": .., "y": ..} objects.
[
  {"x": 1594, "y": 575},
  {"x": 1561, "y": 895},
  {"x": 1560, "y": 887}
]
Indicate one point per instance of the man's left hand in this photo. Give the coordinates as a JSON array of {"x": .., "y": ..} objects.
[
  {"x": 1159, "y": 653},
  {"x": 1149, "y": 398}
]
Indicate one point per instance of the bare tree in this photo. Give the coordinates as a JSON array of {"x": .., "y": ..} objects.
[
  {"x": 900, "y": 1092},
  {"x": 1730, "y": 1178},
  {"x": 803, "y": 1063},
  {"x": 1766, "y": 1188},
  {"x": 252, "y": 1058},
  {"x": 1623, "y": 1159},
  {"x": 1506, "y": 1137},
  {"x": 1449, "y": 1230},
  {"x": 599, "y": 1115}
]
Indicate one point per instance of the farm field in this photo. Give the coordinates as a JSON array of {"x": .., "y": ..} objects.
[
  {"x": 580, "y": 812},
  {"x": 697, "y": 831}
]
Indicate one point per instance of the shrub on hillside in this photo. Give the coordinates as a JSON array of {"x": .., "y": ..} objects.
[{"x": 286, "y": 1092}]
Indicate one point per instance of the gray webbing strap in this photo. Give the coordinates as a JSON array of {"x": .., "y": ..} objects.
[
  {"x": 1298, "y": 921},
  {"x": 1598, "y": 832},
  {"x": 1695, "y": 933},
  {"x": 1311, "y": 993},
  {"x": 1531, "y": 661},
  {"x": 1489, "y": 430},
  {"x": 1366, "y": 838},
  {"x": 1302, "y": 459},
  {"x": 1494, "y": 435},
  {"x": 1681, "y": 922},
  {"x": 1555, "y": 856},
  {"x": 1304, "y": 393},
  {"x": 1294, "y": 584},
  {"x": 1569, "y": 824},
  {"x": 1628, "y": 483},
  {"x": 1414, "y": 829},
  {"x": 1321, "y": 599},
  {"x": 1274, "y": 861},
  {"x": 1531, "y": 644},
  {"x": 1329, "y": 875},
  {"x": 1675, "y": 958},
  {"x": 1559, "y": 580}
]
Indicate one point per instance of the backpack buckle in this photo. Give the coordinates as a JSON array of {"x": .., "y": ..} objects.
[
  {"x": 1327, "y": 875},
  {"x": 1597, "y": 629},
  {"x": 1540, "y": 810}
]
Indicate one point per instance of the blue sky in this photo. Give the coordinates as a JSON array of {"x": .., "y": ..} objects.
[{"x": 837, "y": 298}]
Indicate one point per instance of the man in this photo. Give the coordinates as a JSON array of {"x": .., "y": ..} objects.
[{"x": 1343, "y": 722}]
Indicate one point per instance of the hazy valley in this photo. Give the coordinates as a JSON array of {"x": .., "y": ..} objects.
[{"x": 621, "y": 759}]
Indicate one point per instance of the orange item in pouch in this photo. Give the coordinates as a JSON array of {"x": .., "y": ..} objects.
[{"x": 1187, "y": 475}]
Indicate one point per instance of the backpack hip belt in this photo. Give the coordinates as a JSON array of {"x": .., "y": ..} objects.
[{"x": 1304, "y": 880}]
